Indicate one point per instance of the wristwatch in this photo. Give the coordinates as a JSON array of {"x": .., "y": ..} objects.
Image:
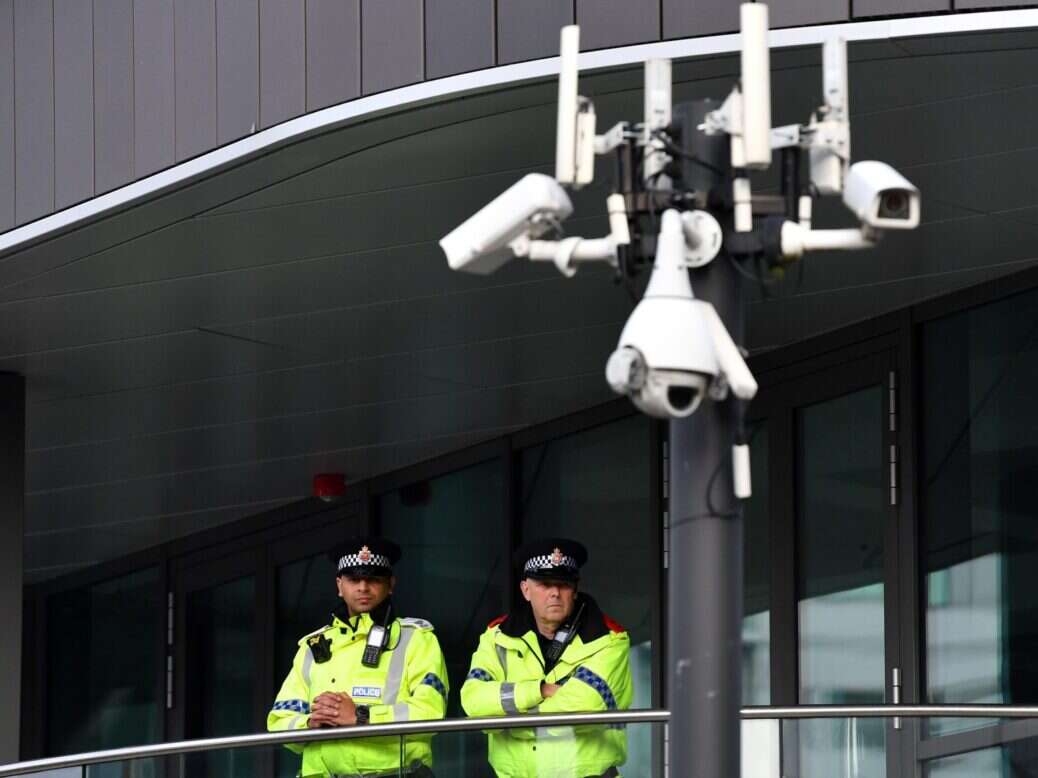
[{"x": 363, "y": 714}]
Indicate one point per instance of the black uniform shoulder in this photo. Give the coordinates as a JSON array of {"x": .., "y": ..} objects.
[{"x": 595, "y": 623}]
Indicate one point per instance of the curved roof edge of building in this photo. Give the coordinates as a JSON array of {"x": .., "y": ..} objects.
[{"x": 415, "y": 95}]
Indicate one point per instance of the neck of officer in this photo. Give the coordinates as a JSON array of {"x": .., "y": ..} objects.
[
  {"x": 548, "y": 627},
  {"x": 378, "y": 613}
]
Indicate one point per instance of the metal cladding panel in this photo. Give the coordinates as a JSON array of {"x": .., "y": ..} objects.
[
  {"x": 237, "y": 68},
  {"x": 73, "y": 102},
  {"x": 282, "y": 61},
  {"x": 793, "y": 13},
  {"x": 195, "y": 69},
  {"x": 6, "y": 114},
  {"x": 683, "y": 19},
  {"x": 961, "y": 5},
  {"x": 459, "y": 36},
  {"x": 529, "y": 29},
  {"x": 153, "y": 86},
  {"x": 113, "y": 93},
  {"x": 34, "y": 115},
  {"x": 863, "y": 8},
  {"x": 605, "y": 23},
  {"x": 392, "y": 43},
  {"x": 332, "y": 52}
]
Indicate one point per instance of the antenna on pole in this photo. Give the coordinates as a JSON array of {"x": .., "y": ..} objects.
[
  {"x": 756, "y": 86},
  {"x": 566, "y": 127}
]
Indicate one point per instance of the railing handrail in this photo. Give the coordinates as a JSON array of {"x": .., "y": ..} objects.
[
  {"x": 992, "y": 711},
  {"x": 441, "y": 726},
  {"x": 436, "y": 726}
]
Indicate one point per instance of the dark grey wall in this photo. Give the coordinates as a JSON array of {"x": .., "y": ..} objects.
[
  {"x": 198, "y": 357},
  {"x": 97, "y": 93}
]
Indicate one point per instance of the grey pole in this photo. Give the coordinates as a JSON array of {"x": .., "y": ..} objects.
[{"x": 705, "y": 564}]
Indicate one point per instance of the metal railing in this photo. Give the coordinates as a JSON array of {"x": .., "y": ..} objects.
[
  {"x": 435, "y": 727},
  {"x": 757, "y": 713},
  {"x": 443, "y": 726}
]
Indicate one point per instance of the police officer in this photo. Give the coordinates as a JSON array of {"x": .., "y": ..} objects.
[
  {"x": 558, "y": 653},
  {"x": 368, "y": 666}
]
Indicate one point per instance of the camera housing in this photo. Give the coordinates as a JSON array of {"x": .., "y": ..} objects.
[
  {"x": 665, "y": 369},
  {"x": 674, "y": 347},
  {"x": 530, "y": 207},
  {"x": 880, "y": 197}
]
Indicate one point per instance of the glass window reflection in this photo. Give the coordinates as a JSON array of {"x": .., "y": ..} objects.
[
  {"x": 979, "y": 461},
  {"x": 756, "y": 623},
  {"x": 104, "y": 693},
  {"x": 840, "y": 525},
  {"x": 451, "y": 530}
]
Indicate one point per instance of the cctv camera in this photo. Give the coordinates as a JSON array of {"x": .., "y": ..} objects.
[
  {"x": 655, "y": 388},
  {"x": 881, "y": 197},
  {"x": 527, "y": 208},
  {"x": 673, "y": 346}
]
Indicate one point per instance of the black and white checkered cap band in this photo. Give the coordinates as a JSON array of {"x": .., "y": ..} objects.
[
  {"x": 372, "y": 560},
  {"x": 547, "y": 562}
]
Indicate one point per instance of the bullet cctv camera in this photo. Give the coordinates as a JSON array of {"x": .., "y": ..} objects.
[
  {"x": 528, "y": 208},
  {"x": 673, "y": 346},
  {"x": 881, "y": 197}
]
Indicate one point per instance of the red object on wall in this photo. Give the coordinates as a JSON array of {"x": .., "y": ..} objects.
[{"x": 329, "y": 486}]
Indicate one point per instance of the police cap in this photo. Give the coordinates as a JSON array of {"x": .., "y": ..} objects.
[
  {"x": 556, "y": 559},
  {"x": 368, "y": 556}
]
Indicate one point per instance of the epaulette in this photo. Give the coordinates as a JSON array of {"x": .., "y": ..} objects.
[
  {"x": 320, "y": 631},
  {"x": 415, "y": 623},
  {"x": 612, "y": 625}
]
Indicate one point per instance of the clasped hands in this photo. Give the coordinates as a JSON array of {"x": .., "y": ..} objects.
[
  {"x": 337, "y": 709},
  {"x": 332, "y": 709}
]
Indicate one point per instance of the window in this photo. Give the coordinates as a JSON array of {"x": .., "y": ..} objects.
[
  {"x": 451, "y": 530},
  {"x": 103, "y": 664},
  {"x": 756, "y": 623},
  {"x": 978, "y": 475}
]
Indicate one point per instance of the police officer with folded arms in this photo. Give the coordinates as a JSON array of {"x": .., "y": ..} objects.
[
  {"x": 368, "y": 666},
  {"x": 557, "y": 653}
]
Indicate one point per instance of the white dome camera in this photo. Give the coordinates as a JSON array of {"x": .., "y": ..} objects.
[
  {"x": 674, "y": 347},
  {"x": 881, "y": 197},
  {"x": 528, "y": 208}
]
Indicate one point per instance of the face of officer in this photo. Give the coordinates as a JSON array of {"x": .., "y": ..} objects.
[
  {"x": 363, "y": 593},
  {"x": 551, "y": 601}
]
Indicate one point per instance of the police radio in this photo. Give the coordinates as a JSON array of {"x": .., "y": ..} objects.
[
  {"x": 563, "y": 637},
  {"x": 378, "y": 637}
]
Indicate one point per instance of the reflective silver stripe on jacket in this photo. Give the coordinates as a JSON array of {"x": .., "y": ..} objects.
[
  {"x": 401, "y": 712},
  {"x": 502, "y": 657},
  {"x": 292, "y": 722},
  {"x": 508, "y": 699},
  {"x": 308, "y": 660},
  {"x": 396, "y": 667},
  {"x": 555, "y": 733}
]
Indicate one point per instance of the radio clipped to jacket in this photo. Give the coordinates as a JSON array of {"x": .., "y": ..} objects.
[
  {"x": 563, "y": 637},
  {"x": 378, "y": 639}
]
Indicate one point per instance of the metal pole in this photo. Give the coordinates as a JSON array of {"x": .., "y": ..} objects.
[{"x": 705, "y": 571}]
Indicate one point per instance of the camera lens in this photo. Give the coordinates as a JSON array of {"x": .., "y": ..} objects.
[
  {"x": 681, "y": 397},
  {"x": 894, "y": 204}
]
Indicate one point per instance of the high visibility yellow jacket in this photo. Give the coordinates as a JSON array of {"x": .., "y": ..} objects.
[
  {"x": 409, "y": 684},
  {"x": 505, "y": 678}
]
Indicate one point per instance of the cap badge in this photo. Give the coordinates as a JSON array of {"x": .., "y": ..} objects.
[
  {"x": 365, "y": 554},
  {"x": 556, "y": 557}
]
